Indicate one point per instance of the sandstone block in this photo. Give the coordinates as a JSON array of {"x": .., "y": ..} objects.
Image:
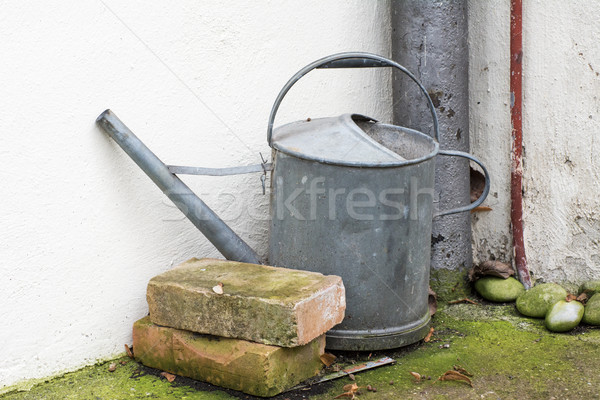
[
  {"x": 253, "y": 368},
  {"x": 277, "y": 306}
]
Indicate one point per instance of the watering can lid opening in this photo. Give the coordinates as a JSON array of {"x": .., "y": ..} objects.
[{"x": 353, "y": 139}]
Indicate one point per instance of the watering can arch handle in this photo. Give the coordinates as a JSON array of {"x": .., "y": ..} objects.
[
  {"x": 349, "y": 60},
  {"x": 486, "y": 189}
]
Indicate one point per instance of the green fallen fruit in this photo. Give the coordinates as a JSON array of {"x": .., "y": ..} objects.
[
  {"x": 498, "y": 289},
  {"x": 537, "y": 301},
  {"x": 564, "y": 316},
  {"x": 590, "y": 287},
  {"x": 591, "y": 315}
]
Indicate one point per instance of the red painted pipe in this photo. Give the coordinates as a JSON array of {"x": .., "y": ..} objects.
[{"x": 516, "y": 173}]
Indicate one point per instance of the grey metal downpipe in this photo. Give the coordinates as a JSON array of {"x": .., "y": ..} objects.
[
  {"x": 205, "y": 219},
  {"x": 430, "y": 39}
]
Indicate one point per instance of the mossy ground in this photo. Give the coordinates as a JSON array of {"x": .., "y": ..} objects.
[{"x": 510, "y": 357}]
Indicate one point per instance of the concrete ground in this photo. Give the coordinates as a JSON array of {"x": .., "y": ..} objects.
[{"x": 508, "y": 356}]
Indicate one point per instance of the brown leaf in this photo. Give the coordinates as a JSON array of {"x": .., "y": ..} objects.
[
  {"x": 168, "y": 376},
  {"x": 129, "y": 351},
  {"x": 417, "y": 376},
  {"x": 327, "y": 359},
  {"x": 112, "y": 367},
  {"x": 582, "y": 298},
  {"x": 460, "y": 369},
  {"x": 429, "y": 335},
  {"x": 432, "y": 302},
  {"x": 351, "y": 376},
  {"x": 455, "y": 376},
  {"x": 218, "y": 289},
  {"x": 351, "y": 387},
  {"x": 570, "y": 297},
  {"x": 490, "y": 268}
]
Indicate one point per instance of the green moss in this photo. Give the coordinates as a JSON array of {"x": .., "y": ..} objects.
[
  {"x": 591, "y": 315},
  {"x": 590, "y": 287},
  {"x": 564, "y": 316},
  {"x": 499, "y": 289},
  {"x": 450, "y": 284},
  {"x": 129, "y": 381},
  {"x": 538, "y": 300},
  {"x": 248, "y": 280},
  {"x": 510, "y": 357}
]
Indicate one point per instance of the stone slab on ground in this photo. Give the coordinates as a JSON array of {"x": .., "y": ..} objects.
[
  {"x": 277, "y": 306},
  {"x": 253, "y": 368}
]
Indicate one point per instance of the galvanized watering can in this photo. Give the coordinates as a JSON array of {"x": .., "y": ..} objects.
[{"x": 350, "y": 196}]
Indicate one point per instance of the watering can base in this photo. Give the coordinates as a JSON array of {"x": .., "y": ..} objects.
[{"x": 380, "y": 339}]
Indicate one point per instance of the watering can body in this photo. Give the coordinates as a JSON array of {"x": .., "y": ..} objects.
[
  {"x": 369, "y": 225},
  {"x": 354, "y": 197}
]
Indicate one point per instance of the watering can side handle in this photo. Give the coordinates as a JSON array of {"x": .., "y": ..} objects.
[
  {"x": 486, "y": 189},
  {"x": 349, "y": 60}
]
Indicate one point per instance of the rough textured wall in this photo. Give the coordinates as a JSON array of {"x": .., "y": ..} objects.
[
  {"x": 83, "y": 229},
  {"x": 489, "y": 122},
  {"x": 560, "y": 129},
  {"x": 561, "y": 125}
]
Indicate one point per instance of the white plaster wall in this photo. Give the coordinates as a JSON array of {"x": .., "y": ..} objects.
[
  {"x": 561, "y": 138},
  {"x": 83, "y": 229},
  {"x": 489, "y": 122},
  {"x": 561, "y": 127}
]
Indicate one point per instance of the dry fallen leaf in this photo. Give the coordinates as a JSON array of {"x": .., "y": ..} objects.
[
  {"x": 327, "y": 359},
  {"x": 129, "y": 351},
  {"x": 455, "y": 376},
  {"x": 350, "y": 391},
  {"x": 218, "y": 289},
  {"x": 582, "y": 298},
  {"x": 168, "y": 376},
  {"x": 432, "y": 300},
  {"x": 417, "y": 376},
  {"x": 571, "y": 297},
  {"x": 112, "y": 367},
  {"x": 461, "y": 370},
  {"x": 481, "y": 208},
  {"x": 351, "y": 376},
  {"x": 429, "y": 335},
  {"x": 351, "y": 387},
  {"x": 490, "y": 268}
]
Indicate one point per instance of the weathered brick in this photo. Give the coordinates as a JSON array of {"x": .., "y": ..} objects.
[
  {"x": 278, "y": 306},
  {"x": 253, "y": 368}
]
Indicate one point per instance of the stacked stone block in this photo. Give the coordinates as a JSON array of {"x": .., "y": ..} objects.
[{"x": 252, "y": 328}]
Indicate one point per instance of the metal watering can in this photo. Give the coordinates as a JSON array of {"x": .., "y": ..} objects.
[{"x": 350, "y": 196}]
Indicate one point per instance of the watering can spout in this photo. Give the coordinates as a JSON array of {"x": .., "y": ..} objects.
[{"x": 204, "y": 218}]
